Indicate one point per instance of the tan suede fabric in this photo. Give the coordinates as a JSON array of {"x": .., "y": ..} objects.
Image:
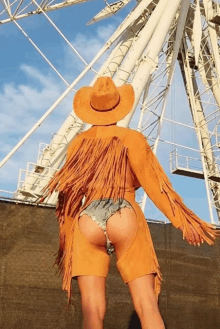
[{"x": 113, "y": 162}]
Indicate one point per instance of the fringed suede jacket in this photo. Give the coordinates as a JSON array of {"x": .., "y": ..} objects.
[{"x": 111, "y": 162}]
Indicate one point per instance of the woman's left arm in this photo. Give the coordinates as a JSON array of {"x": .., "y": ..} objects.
[{"x": 158, "y": 187}]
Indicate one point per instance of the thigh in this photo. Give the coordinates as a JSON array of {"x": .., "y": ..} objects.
[
  {"x": 142, "y": 291},
  {"x": 121, "y": 229},
  {"x": 92, "y": 290}
]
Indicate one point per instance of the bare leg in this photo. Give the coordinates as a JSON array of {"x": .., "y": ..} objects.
[
  {"x": 91, "y": 322},
  {"x": 145, "y": 302},
  {"x": 92, "y": 289},
  {"x": 121, "y": 230}
]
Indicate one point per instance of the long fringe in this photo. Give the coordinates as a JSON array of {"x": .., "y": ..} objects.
[
  {"x": 97, "y": 164},
  {"x": 205, "y": 230},
  {"x": 155, "y": 266}
]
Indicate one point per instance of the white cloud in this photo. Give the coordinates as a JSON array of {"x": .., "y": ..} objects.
[
  {"x": 23, "y": 104},
  {"x": 21, "y": 107},
  {"x": 25, "y": 99},
  {"x": 87, "y": 46}
]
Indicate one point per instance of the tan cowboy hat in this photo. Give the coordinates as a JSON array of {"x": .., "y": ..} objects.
[{"x": 104, "y": 103}]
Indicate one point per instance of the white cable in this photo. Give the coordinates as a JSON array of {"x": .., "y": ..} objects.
[
  {"x": 36, "y": 47},
  {"x": 62, "y": 35}
]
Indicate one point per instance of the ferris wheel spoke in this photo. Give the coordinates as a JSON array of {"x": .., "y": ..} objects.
[
  {"x": 108, "y": 11},
  {"x": 151, "y": 41},
  {"x": 26, "y": 11}
]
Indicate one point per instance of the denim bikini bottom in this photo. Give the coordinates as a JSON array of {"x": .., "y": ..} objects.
[{"x": 100, "y": 211}]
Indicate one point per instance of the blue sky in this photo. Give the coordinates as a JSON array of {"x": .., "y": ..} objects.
[{"x": 28, "y": 87}]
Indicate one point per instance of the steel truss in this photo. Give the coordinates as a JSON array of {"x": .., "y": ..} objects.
[{"x": 145, "y": 48}]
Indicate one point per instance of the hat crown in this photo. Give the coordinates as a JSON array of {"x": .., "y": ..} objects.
[
  {"x": 104, "y": 95},
  {"x": 104, "y": 103}
]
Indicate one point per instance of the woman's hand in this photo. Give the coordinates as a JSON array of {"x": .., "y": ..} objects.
[{"x": 194, "y": 237}]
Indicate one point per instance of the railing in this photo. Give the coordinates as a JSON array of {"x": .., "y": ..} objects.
[
  {"x": 196, "y": 171},
  {"x": 6, "y": 192},
  {"x": 174, "y": 157},
  {"x": 16, "y": 201},
  {"x": 40, "y": 173}
]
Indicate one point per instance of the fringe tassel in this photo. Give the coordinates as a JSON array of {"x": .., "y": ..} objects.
[
  {"x": 155, "y": 267},
  {"x": 97, "y": 164},
  {"x": 205, "y": 230}
]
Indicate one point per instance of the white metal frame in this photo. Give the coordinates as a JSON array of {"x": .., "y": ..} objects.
[{"x": 144, "y": 51}]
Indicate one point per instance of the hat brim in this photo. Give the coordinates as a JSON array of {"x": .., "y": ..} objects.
[{"x": 83, "y": 109}]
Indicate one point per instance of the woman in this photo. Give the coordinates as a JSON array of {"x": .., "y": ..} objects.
[{"x": 97, "y": 211}]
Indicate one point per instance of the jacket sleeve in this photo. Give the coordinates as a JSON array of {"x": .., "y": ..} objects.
[{"x": 159, "y": 189}]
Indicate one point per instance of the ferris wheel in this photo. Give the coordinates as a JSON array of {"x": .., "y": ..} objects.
[{"x": 155, "y": 40}]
